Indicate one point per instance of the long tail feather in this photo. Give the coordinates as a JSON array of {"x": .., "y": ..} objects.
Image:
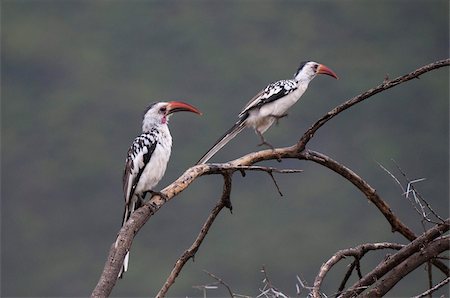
[
  {"x": 125, "y": 265},
  {"x": 126, "y": 215},
  {"x": 228, "y": 136}
]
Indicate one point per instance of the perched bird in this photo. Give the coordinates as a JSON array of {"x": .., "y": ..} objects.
[
  {"x": 147, "y": 157},
  {"x": 271, "y": 104}
]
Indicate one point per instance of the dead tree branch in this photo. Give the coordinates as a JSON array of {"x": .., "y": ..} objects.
[
  {"x": 190, "y": 253},
  {"x": 433, "y": 289},
  {"x": 396, "y": 224},
  {"x": 432, "y": 250},
  {"x": 364, "y": 187},
  {"x": 127, "y": 233},
  {"x": 214, "y": 286},
  {"x": 357, "y": 252},
  {"x": 220, "y": 281},
  {"x": 417, "y": 196},
  {"x": 269, "y": 290},
  {"x": 355, "y": 264},
  {"x": 415, "y": 247}
]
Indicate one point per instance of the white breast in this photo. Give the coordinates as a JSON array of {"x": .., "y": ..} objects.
[{"x": 156, "y": 167}]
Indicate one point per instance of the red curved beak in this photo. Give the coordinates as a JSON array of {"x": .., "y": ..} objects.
[
  {"x": 322, "y": 69},
  {"x": 178, "y": 106}
]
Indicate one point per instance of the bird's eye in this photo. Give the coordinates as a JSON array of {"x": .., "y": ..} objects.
[
  {"x": 315, "y": 66},
  {"x": 163, "y": 109}
]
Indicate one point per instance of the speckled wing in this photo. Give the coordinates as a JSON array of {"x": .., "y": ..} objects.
[
  {"x": 138, "y": 157},
  {"x": 272, "y": 92}
]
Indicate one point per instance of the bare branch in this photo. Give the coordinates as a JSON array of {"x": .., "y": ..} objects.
[
  {"x": 216, "y": 168},
  {"x": 357, "y": 252},
  {"x": 387, "y": 84},
  {"x": 371, "y": 195},
  {"x": 269, "y": 291},
  {"x": 220, "y": 281},
  {"x": 303, "y": 284},
  {"x": 394, "y": 275},
  {"x": 127, "y": 233},
  {"x": 204, "y": 288},
  {"x": 268, "y": 170},
  {"x": 404, "y": 192},
  {"x": 417, "y": 196},
  {"x": 429, "y": 269},
  {"x": 433, "y": 289},
  {"x": 351, "y": 267},
  {"x": 364, "y": 187},
  {"x": 190, "y": 253},
  {"x": 415, "y": 246}
]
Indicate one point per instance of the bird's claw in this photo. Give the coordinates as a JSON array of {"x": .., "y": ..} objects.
[
  {"x": 267, "y": 144},
  {"x": 279, "y": 158},
  {"x": 271, "y": 147},
  {"x": 157, "y": 193}
]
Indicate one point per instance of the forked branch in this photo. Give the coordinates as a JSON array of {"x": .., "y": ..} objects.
[
  {"x": 413, "y": 254},
  {"x": 357, "y": 252},
  {"x": 127, "y": 233},
  {"x": 190, "y": 253}
]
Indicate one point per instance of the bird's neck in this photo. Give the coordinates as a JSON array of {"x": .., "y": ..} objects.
[
  {"x": 302, "y": 83},
  {"x": 148, "y": 126}
]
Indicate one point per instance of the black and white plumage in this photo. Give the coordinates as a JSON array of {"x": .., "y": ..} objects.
[
  {"x": 147, "y": 157},
  {"x": 270, "y": 104}
]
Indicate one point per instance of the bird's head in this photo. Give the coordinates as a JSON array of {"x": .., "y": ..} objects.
[
  {"x": 309, "y": 69},
  {"x": 159, "y": 113}
]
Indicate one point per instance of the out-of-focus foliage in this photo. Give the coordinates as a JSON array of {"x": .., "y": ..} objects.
[{"x": 76, "y": 76}]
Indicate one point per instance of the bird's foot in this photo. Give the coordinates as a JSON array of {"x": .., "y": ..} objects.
[
  {"x": 264, "y": 142},
  {"x": 157, "y": 193},
  {"x": 267, "y": 144},
  {"x": 278, "y": 157}
]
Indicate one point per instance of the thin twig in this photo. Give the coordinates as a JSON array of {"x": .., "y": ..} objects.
[
  {"x": 430, "y": 275},
  {"x": 269, "y": 290},
  {"x": 357, "y": 252},
  {"x": 416, "y": 194},
  {"x": 410, "y": 263},
  {"x": 434, "y": 289},
  {"x": 268, "y": 170},
  {"x": 404, "y": 192},
  {"x": 204, "y": 288},
  {"x": 220, "y": 281},
  {"x": 276, "y": 184},
  {"x": 355, "y": 265},
  {"x": 223, "y": 283},
  {"x": 303, "y": 284},
  {"x": 396, "y": 224},
  {"x": 347, "y": 275},
  {"x": 415, "y": 246}
]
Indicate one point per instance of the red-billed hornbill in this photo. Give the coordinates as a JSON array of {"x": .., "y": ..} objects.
[
  {"x": 271, "y": 104},
  {"x": 147, "y": 158}
]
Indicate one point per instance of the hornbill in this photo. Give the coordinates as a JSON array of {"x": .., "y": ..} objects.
[
  {"x": 147, "y": 158},
  {"x": 271, "y": 104}
]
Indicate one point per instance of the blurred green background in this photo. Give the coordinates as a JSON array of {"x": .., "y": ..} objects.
[{"x": 77, "y": 75}]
